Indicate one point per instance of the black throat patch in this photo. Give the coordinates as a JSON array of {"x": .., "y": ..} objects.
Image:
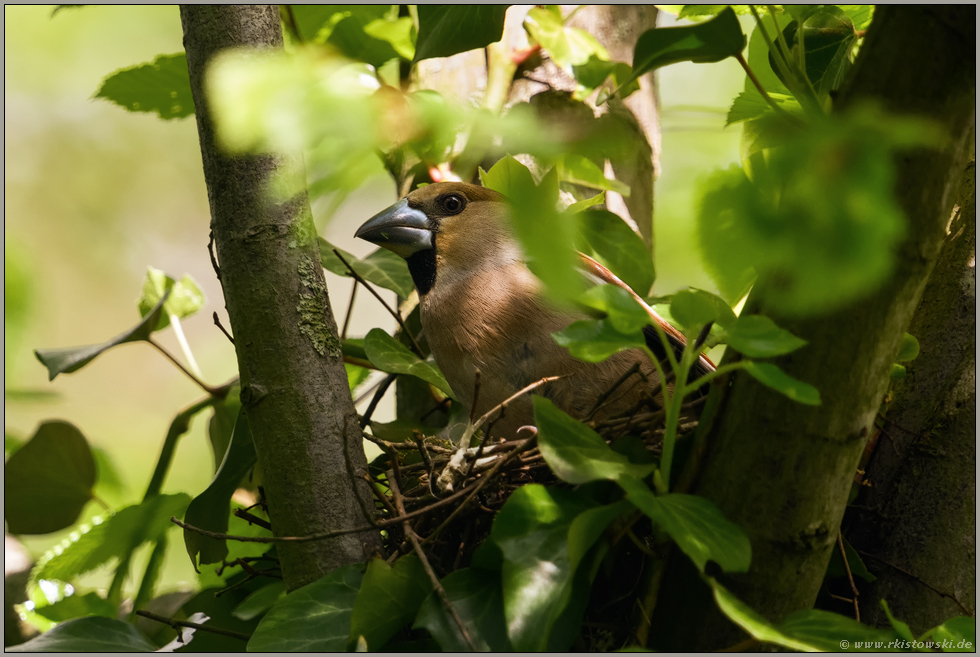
[{"x": 422, "y": 267}]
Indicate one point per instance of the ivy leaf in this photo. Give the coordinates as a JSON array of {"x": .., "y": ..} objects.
[
  {"x": 94, "y": 634},
  {"x": 210, "y": 509},
  {"x": 162, "y": 86},
  {"x": 71, "y": 359},
  {"x": 757, "y": 336},
  {"x": 390, "y": 597},
  {"x": 445, "y": 30},
  {"x": 477, "y": 597},
  {"x": 583, "y": 171},
  {"x": 702, "y": 43},
  {"x": 48, "y": 480},
  {"x": 184, "y": 299},
  {"x": 824, "y": 631},
  {"x": 390, "y": 355},
  {"x": 695, "y": 524},
  {"x": 259, "y": 601},
  {"x": 381, "y": 267},
  {"x": 773, "y": 377},
  {"x": 693, "y": 308},
  {"x": 313, "y": 618},
  {"x": 576, "y": 453},
  {"x": 594, "y": 340},
  {"x": 617, "y": 247},
  {"x": 750, "y": 104}
]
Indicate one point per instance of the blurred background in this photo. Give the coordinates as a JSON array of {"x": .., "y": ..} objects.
[{"x": 94, "y": 194}]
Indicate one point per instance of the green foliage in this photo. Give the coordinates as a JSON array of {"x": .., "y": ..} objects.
[
  {"x": 184, "y": 297},
  {"x": 48, "y": 480},
  {"x": 389, "y": 598},
  {"x": 162, "y": 86},
  {"x": 567, "y": 46},
  {"x": 615, "y": 245},
  {"x": 92, "y": 634},
  {"x": 770, "y": 375},
  {"x": 390, "y": 355},
  {"x": 757, "y": 336},
  {"x": 382, "y": 267},
  {"x": 445, "y": 30}
]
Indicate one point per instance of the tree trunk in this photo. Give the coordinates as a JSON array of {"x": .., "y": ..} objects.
[
  {"x": 782, "y": 470},
  {"x": 916, "y": 524},
  {"x": 294, "y": 387}
]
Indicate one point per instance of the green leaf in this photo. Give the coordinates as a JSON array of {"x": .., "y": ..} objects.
[
  {"x": 902, "y": 629},
  {"x": 94, "y": 634},
  {"x": 210, "y": 509},
  {"x": 827, "y": 632},
  {"x": 960, "y": 632},
  {"x": 909, "y": 349},
  {"x": 750, "y": 104},
  {"x": 585, "y": 204},
  {"x": 381, "y": 267},
  {"x": 48, "y": 480},
  {"x": 314, "y": 618},
  {"x": 583, "y": 171},
  {"x": 898, "y": 372},
  {"x": 162, "y": 86},
  {"x": 710, "y": 41},
  {"x": 623, "y": 312},
  {"x": 770, "y": 375},
  {"x": 594, "y": 340},
  {"x": 389, "y": 598},
  {"x": 827, "y": 36},
  {"x": 617, "y": 247},
  {"x": 836, "y": 566},
  {"x": 397, "y": 32},
  {"x": 258, "y": 602},
  {"x": 108, "y": 538},
  {"x": 757, "y": 626},
  {"x": 477, "y": 597},
  {"x": 221, "y": 424},
  {"x": 757, "y": 336},
  {"x": 445, "y": 30},
  {"x": 74, "y": 606},
  {"x": 390, "y": 355},
  {"x": 351, "y": 37},
  {"x": 184, "y": 299},
  {"x": 695, "y": 524},
  {"x": 576, "y": 453},
  {"x": 596, "y": 71},
  {"x": 71, "y": 359},
  {"x": 693, "y": 308},
  {"x": 567, "y": 46}
]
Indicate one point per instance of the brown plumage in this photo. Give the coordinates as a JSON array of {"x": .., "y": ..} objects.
[{"x": 482, "y": 308}]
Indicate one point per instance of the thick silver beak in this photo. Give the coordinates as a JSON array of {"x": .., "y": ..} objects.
[{"x": 400, "y": 229}]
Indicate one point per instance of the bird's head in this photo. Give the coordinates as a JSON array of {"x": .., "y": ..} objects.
[{"x": 452, "y": 227}]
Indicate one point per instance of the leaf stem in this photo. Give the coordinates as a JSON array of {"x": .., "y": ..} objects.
[
  {"x": 724, "y": 369},
  {"x": 184, "y": 346},
  {"x": 178, "y": 427},
  {"x": 220, "y": 392},
  {"x": 765, "y": 94}
]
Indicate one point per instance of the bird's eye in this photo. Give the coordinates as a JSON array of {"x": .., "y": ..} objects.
[{"x": 453, "y": 204}]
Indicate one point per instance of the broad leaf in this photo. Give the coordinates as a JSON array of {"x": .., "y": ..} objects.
[
  {"x": 567, "y": 46},
  {"x": 585, "y": 204},
  {"x": 210, "y": 509},
  {"x": 445, "y": 30},
  {"x": 184, "y": 299},
  {"x": 961, "y": 632},
  {"x": 695, "y": 524},
  {"x": 583, "y": 171},
  {"x": 381, "y": 267},
  {"x": 576, "y": 453},
  {"x": 390, "y": 355},
  {"x": 221, "y": 424},
  {"x": 611, "y": 302},
  {"x": 389, "y": 598},
  {"x": 826, "y": 36},
  {"x": 909, "y": 349},
  {"x": 595, "y": 72},
  {"x": 828, "y": 632},
  {"x": 74, "y": 606},
  {"x": 71, "y": 359},
  {"x": 477, "y": 597},
  {"x": 314, "y": 618},
  {"x": 750, "y": 621},
  {"x": 48, "y": 480},
  {"x": 594, "y": 340},
  {"x": 693, "y": 308},
  {"x": 757, "y": 336},
  {"x": 258, "y": 602},
  {"x": 351, "y": 37},
  {"x": 617, "y": 247},
  {"x": 93, "y": 634},
  {"x": 773, "y": 377},
  {"x": 162, "y": 86}
]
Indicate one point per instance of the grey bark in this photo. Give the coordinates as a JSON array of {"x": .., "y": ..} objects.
[
  {"x": 782, "y": 470},
  {"x": 916, "y": 523},
  {"x": 294, "y": 387}
]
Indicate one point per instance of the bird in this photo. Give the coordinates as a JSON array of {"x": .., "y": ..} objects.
[{"x": 482, "y": 310}]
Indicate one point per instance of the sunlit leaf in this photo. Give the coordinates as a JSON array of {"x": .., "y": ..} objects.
[
  {"x": 616, "y": 305},
  {"x": 576, "y": 453},
  {"x": 445, "y": 30},
  {"x": 567, "y": 46},
  {"x": 585, "y": 204},
  {"x": 750, "y": 621},
  {"x": 825, "y": 631},
  {"x": 583, "y": 171},
  {"x": 162, "y": 86},
  {"x": 773, "y": 377},
  {"x": 389, "y": 598},
  {"x": 314, "y": 618},
  {"x": 693, "y": 308},
  {"x": 94, "y": 634},
  {"x": 697, "y": 526},
  {"x": 757, "y": 336},
  {"x": 48, "y": 480},
  {"x": 961, "y": 632},
  {"x": 71, "y": 359},
  {"x": 477, "y": 597},
  {"x": 74, "y": 606},
  {"x": 618, "y": 247},
  {"x": 382, "y": 267},
  {"x": 594, "y": 340},
  {"x": 596, "y": 71},
  {"x": 390, "y": 355},
  {"x": 184, "y": 299}
]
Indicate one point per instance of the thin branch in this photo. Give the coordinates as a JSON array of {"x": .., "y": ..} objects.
[
  {"x": 476, "y": 394},
  {"x": 293, "y": 24},
  {"x": 920, "y": 581},
  {"x": 850, "y": 577},
  {"x": 379, "y": 393},
  {"x": 608, "y": 393},
  {"x": 350, "y": 309},
  {"x": 217, "y": 322},
  {"x": 253, "y": 520},
  {"x": 220, "y": 392},
  {"x": 214, "y": 261},
  {"x": 174, "y": 623}
]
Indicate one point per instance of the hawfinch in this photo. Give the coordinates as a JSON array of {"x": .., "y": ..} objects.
[{"x": 482, "y": 309}]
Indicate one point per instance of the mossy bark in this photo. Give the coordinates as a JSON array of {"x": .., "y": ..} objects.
[{"x": 294, "y": 387}]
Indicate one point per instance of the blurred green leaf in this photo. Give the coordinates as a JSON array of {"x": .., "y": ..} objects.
[
  {"x": 836, "y": 566},
  {"x": 74, "y": 606},
  {"x": 583, "y": 171},
  {"x": 693, "y": 12},
  {"x": 958, "y": 631},
  {"x": 694, "y": 308},
  {"x": 824, "y": 631},
  {"x": 576, "y": 453},
  {"x": 221, "y": 424},
  {"x": 750, "y": 104},
  {"x": 258, "y": 602},
  {"x": 596, "y": 71},
  {"x": 860, "y": 15},
  {"x": 351, "y": 37},
  {"x": 108, "y": 538},
  {"x": 585, "y": 204},
  {"x": 567, "y": 46},
  {"x": 616, "y": 305},
  {"x": 162, "y": 86},
  {"x": 11, "y": 444},
  {"x": 381, "y": 267},
  {"x": 390, "y": 355},
  {"x": 398, "y": 32},
  {"x": 94, "y": 634},
  {"x": 826, "y": 36},
  {"x": 184, "y": 299},
  {"x": 314, "y": 618},
  {"x": 477, "y": 597},
  {"x": 618, "y": 247},
  {"x": 909, "y": 349},
  {"x": 389, "y": 598},
  {"x": 898, "y": 372},
  {"x": 770, "y": 375},
  {"x": 901, "y": 628},
  {"x": 700, "y": 530},
  {"x": 445, "y": 30},
  {"x": 48, "y": 480},
  {"x": 71, "y": 359},
  {"x": 710, "y": 41},
  {"x": 757, "y": 336},
  {"x": 356, "y": 375},
  {"x": 210, "y": 509},
  {"x": 594, "y": 340}
]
